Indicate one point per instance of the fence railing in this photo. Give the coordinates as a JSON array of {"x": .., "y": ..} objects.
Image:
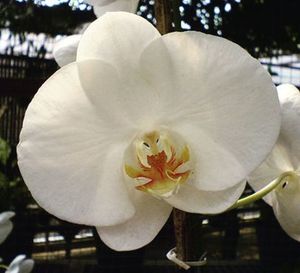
[{"x": 20, "y": 78}]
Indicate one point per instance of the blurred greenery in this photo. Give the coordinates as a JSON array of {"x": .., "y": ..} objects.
[
  {"x": 26, "y": 17},
  {"x": 5, "y": 151},
  {"x": 13, "y": 193}
]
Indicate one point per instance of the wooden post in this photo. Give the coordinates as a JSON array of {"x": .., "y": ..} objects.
[
  {"x": 163, "y": 15},
  {"x": 181, "y": 234}
]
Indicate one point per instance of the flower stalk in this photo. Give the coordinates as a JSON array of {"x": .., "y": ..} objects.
[
  {"x": 2, "y": 266},
  {"x": 181, "y": 234},
  {"x": 163, "y": 16},
  {"x": 264, "y": 191},
  {"x": 164, "y": 25}
]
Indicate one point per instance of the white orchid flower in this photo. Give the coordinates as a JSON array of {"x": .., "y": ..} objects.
[
  {"x": 103, "y": 6},
  {"x": 64, "y": 51},
  {"x": 141, "y": 123},
  {"x": 6, "y": 225},
  {"x": 284, "y": 160},
  {"x": 20, "y": 265}
]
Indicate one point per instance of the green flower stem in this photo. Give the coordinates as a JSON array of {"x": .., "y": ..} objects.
[
  {"x": 3, "y": 266},
  {"x": 264, "y": 191}
]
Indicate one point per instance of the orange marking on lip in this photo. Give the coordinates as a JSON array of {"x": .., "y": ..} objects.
[{"x": 162, "y": 175}]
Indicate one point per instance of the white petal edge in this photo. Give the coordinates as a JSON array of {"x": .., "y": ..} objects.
[
  {"x": 5, "y": 230},
  {"x": 26, "y": 266},
  {"x": 117, "y": 38},
  {"x": 5, "y": 216},
  {"x": 6, "y": 225},
  {"x": 287, "y": 92},
  {"x": 64, "y": 51},
  {"x": 277, "y": 163},
  {"x": 117, "y": 5},
  {"x": 192, "y": 200},
  {"x": 285, "y": 155},
  {"x": 151, "y": 215},
  {"x": 218, "y": 92},
  {"x": 68, "y": 152},
  {"x": 14, "y": 266},
  {"x": 287, "y": 210},
  {"x": 99, "y": 2},
  {"x": 20, "y": 265},
  {"x": 290, "y": 127}
]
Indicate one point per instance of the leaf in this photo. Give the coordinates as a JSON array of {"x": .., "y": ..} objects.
[{"x": 5, "y": 151}]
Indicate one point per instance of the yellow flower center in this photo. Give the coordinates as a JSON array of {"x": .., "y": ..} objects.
[{"x": 158, "y": 163}]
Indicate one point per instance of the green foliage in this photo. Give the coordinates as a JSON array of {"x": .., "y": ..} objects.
[
  {"x": 5, "y": 151},
  {"x": 13, "y": 192},
  {"x": 25, "y": 17}
]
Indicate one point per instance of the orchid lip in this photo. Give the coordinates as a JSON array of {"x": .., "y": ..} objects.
[{"x": 158, "y": 163}]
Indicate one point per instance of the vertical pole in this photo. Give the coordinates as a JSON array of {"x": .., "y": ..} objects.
[
  {"x": 181, "y": 234},
  {"x": 163, "y": 16},
  {"x": 164, "y": 25}
]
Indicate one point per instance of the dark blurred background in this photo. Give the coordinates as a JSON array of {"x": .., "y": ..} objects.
[{"x": 246, "y": 240}]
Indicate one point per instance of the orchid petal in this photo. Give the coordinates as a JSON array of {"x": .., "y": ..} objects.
[
  {"x": 20, "y": 265},
  {"x": 289, "y": 97},
  {"x": 65, "y": 50},
  {"x": 6, "y": 225},
  {"x": 118, "y": 5},
  {"x": 287, "y": 93},
  {"x": 287, "y": 210},
  {"x": 70, "y": 154},
  {"x": 6, "y": 216},
  {"x": 17, "y": 260},
  {"x": 285, "y": 155},
  {"x": 27, "y": 266},
  {"x": 14, "y": 266},
  {"x": 278, "y": 162},
  {"x": 117, "y": 38},
  {"x": 151, "y": 215},
  {"x": 129, "y": 99},
  {"x": 286, "y": 197},
  {"x": 99, "y": 2},
  {"x": 192, "y": 200},
  {"x": 5, "y": 230},
  {"x": 220, "y": 100}
]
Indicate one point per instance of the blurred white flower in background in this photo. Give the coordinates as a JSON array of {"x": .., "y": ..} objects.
[
  {"x": 141, "y": 123},
  {"x": 6, "y": 225},
  {"x": 64, "y": 51},
  {"x": 102, "y": 6},
  {"x": 20, "y": 265},
  {"x": 285, "y": 158}
]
